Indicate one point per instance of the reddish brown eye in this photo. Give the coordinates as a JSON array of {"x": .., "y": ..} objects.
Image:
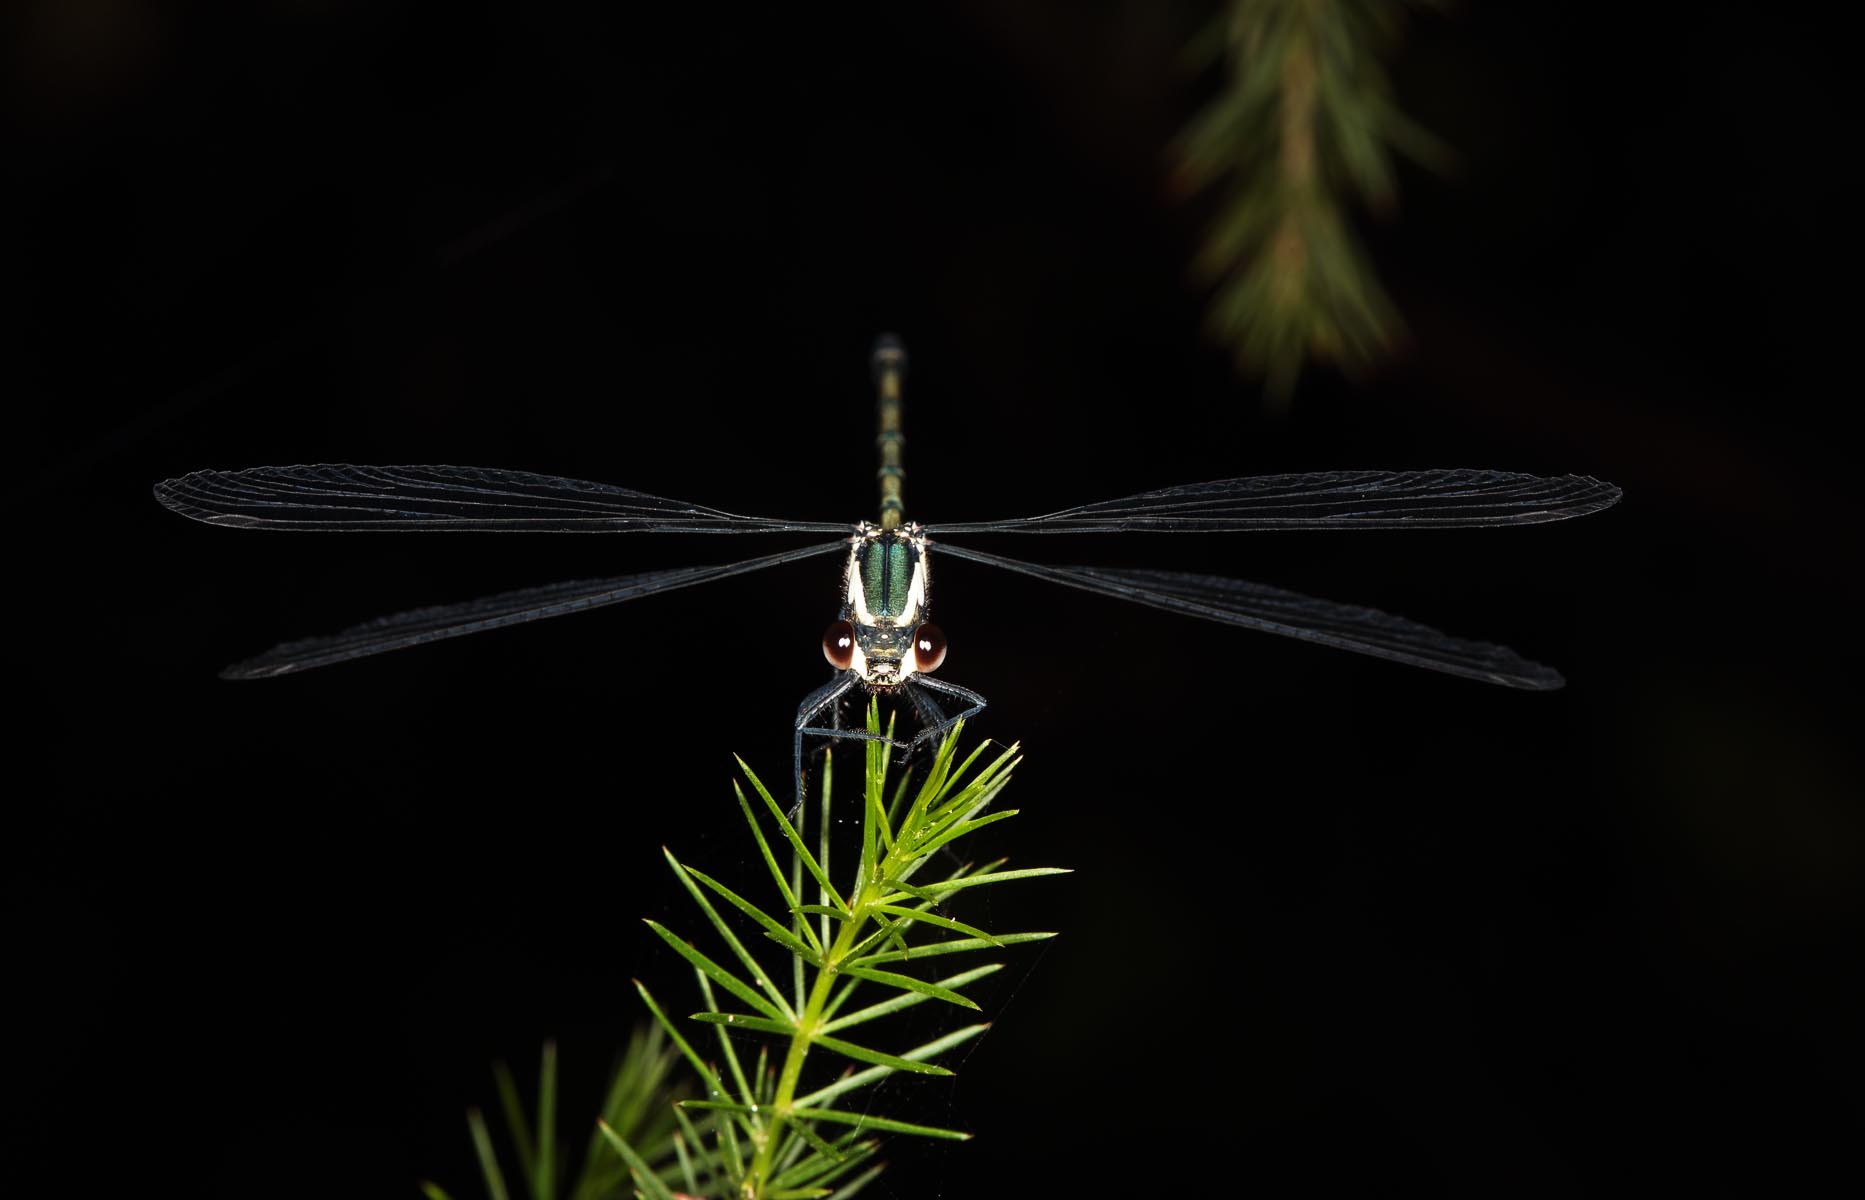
[
  {"x": 838, "y": 645},
  {"x": 928, "y": 647}
]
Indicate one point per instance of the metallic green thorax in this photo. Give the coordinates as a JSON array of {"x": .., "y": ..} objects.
[
  {"x": 886, "y": 573},
  {"x": 890, "y": 368}
]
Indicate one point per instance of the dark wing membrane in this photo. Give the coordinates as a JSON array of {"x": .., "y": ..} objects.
[
  {"x": 492, "y": 612},
  {"x": 1272, "y": 610},
  {"x": 1327, "y": 500},
  {"x": 343, "y": 496}
]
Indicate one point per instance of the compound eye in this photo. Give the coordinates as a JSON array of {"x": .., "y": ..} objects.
[
  {"x": 838, "y": 645},
  {"x": 928, "y": 647}
]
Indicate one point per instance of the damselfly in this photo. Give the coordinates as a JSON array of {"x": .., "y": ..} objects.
[{"x": 883, "y": 639}]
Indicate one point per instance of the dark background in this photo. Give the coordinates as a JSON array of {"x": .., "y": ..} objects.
[{"x": 1334, "y": 921}]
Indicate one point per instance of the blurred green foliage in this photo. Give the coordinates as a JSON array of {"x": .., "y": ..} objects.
[
  {"x": 1304, "y": 128},
  {"x": 639, "y": 1106}
]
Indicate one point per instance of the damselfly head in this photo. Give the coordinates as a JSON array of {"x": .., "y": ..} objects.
[{"x": 880, "y": 654}]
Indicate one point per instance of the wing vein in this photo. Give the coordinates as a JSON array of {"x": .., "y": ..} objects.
[
  {"x": 1326, "y": 500},
  {"x": 1290, "y": 614},
  {"x": 343, "y": 496},
  {"x": 422, "y": 625}
]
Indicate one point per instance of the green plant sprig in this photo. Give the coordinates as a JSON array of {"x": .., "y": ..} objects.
[
  {"x": 759, "y": 1132},
  {"x": 773, "y": 1138}
]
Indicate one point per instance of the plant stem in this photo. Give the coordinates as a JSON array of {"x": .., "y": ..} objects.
[
  {"x": 1290, "y": 245},
  {"x": 807, "y": 1023}
]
